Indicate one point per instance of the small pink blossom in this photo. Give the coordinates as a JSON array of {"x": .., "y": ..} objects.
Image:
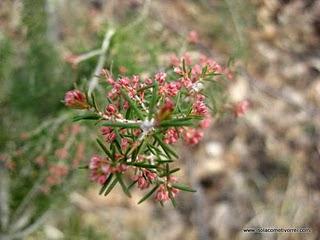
[
  {"x": 171, "y": 136},
  {"x": 240, "y": 108},
  {"x": 186, "y": 82},
  {"x": 174, "y": 60},
  {"x": 162, "y": 194},
  {"x": 142, "y": 182},
  {"x": 108, "y": 134},
  {"x": 160, "y": 77},
  {"x": 193, "y": 136},
  {"x": 150, "y": 175},
  {"x": 124, "y": 143},
  {"x": 62, "y": 153},
  {"x": 40, "y": 160},
  {"x": 170, "y": 89},
  {"x": 100, "y": 169},
  {"x": 123, "y": 69},
  {"x": 165, "y": 110},
  {"x": 206, "y": 122},
  {"x": 200, "y": 108},
  {"x": 178, "y": 70},
  {"x": 56, "y": 174},
  {"x": 76, "y": 99},
  {"x": 124, "y": 81},
  {"x": 187, "y": 59},
  {"x": 193, "y": 37},
  {"x": 111, "y": 109}
]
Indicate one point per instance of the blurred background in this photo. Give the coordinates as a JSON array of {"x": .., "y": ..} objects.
[{"x": 261, "y": 170}]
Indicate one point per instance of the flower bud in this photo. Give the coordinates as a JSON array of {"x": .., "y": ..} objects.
[{"x": 76, "y": 99}]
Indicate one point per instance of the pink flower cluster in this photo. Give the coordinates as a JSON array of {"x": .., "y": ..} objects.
[
  {"x": 142, "y": 116},
  {"x": 56, "y": 174},
  {"x": 101, "y": 168},
  {"x": 144, "y": 179},
  {"x": 166, "y": 191},
  {"x": 241, "y": 107}
]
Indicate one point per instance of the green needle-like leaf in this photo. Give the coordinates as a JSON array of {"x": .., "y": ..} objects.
[
  {"x": 123, "y": 185},
  {"x": 165, "y": 147},
  {"x": 105, "y": 185},
  {"x": 111, "y": 186},
  {"x": 132, "y": 104},
  {"x": 148, "y": 194},
  {"x": 169, "y": 172},
  {"x": 87, "y": 116},
  {"x": 183, "y": 187},
  {"x": 153, "y": 99},
  {"x": 120, "y": 124},
  {"x": 141, "y": 165},
  {"x": 176, "y": 123},
  {"x": 104, "y": 148},
  {"x": 173, "y": 200}
]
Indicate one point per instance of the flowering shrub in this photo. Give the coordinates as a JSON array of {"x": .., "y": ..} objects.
[{"x": 142, "y": 119}]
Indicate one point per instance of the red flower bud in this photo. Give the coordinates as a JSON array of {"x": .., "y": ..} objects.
[{"x": 76, "y": 99}]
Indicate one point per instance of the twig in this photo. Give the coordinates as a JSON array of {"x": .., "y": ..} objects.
[
  {"x": 101, "y": 61},
  {"x": 27, "y": 199},
  {"x": 142, "y": 16},
  {"x": 4, "y": 197},
  {"x": 31, "y": 228},
  {"x": 235, "y": 20}
]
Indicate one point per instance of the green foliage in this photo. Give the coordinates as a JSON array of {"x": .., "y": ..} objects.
[{"x": 42, "y": 78}]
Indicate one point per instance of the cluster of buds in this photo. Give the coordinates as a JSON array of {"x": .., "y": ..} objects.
[
  {"x": 142, "y": 118},
  {"x": 56, "y": 174}
]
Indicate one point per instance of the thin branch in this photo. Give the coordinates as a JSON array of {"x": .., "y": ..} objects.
[
  {"x": 4, "y": 197},
  {"x": 34, "y": 226},
  {"x": 142, "y": 16},
  {"x": 28, "y": 198},
  {"x": 101, "y": 61},
  {"x": 235, "y": 19}
]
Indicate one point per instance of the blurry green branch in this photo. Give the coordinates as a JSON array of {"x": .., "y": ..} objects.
[
  {"x": 143, "y": 15},
  {"x": 101, "y": 61},
  {"x": 4, "y": 197}
]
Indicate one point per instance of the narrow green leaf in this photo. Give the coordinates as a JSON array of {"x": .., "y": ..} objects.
[
  {"x": 157, "y": 151},
  {"x": 169, "y": 172},
  {"x": 123, "y": 185},
  {"x": 132, "y": 104},
  {"x": 94, "y": 103},
  {"x": 120, "y": 124},
  {"x": 132, "y": 184},
  {"x": 153, "y": 99},
  {"x": 104, "y": 148},
  {"x": 87, "y": 116},
  {"x": 204, "y": 71},
  {"x": 184, "y": 65},
  {"x": 173, "y": 200},
  {"x": 183, "y": 187},
  {"x": 111, "y": 186},
  {"x": 84, "y": 167},
  {"x": 164, "y": 161},
  {"x": 176, "y": 123},
  {"x": 148, "y": 194},
  {"x": 140, "y": 148},
  {"x": 105, "y": 185},
  {"x": 178, "y": 108},
  {"x": 141, "y": 165},
  {"x": 165, "y": 147}
]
